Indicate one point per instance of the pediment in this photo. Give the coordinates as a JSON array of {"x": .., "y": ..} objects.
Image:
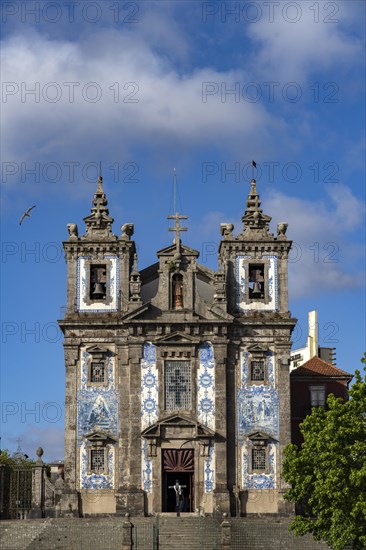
[
  {"x": 158, "y": 429},
  {"x": 137, "y": 313},
  {"x": 257, "y": 348},
  {"x": 259, "y": 436},
  {"x": 177, "y": 337},
  {"x": 184, "y": 250},
  {"x": 97, "y": 350},
  {"x": 99, "y": 436},
  {"x": 177, "y": 420},
  {"x": 219, "y": 312}
]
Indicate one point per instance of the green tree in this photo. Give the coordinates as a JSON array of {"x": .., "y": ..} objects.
[
  {"x": 15, "y": 459},
  {"x": 328, "y": 473}
]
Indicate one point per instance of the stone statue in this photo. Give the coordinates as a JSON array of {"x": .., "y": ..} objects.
[
  {"x": 226, "y": 229},
  {"x": 281, "y": 230},
  {"x": 177, "y": 292},
  {"x": 179, "y": 496},
  {"x": 127, "y": 231},
  {"x": 73, "y": 230}
]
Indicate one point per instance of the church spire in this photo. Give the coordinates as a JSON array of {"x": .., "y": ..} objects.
[
  {"x": 99, "y": 223},
  {"x": 177, "y": 217},
  {"x": 256, "y": 224}
]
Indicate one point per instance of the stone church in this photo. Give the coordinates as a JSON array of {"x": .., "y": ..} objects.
[{"x": 176, "y": 372}]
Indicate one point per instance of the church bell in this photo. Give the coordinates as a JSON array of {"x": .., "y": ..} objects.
[
  {"x": 98, "y": 292},
  {"x": 257, "y": 291}
]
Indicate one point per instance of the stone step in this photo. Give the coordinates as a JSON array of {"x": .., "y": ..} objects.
[
  {"x": 19, "y": 534},
  {"x": 188, "y": 533}
]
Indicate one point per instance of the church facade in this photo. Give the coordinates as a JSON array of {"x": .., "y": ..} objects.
[{"x": 176, "y": 372}]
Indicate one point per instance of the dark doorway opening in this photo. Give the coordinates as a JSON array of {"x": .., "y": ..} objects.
[
  {"x": 178, "y": 464},
  {"x": 169, "y": 496}
]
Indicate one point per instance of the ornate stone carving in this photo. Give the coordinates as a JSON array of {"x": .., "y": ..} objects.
[
  {"x": 281, "y": 230},
  {"x": 73, "y": 231},
  {"x": 226, "y": 229},
  {"x": 99, "y": 223},
  {"x": 127, "y": 231}
]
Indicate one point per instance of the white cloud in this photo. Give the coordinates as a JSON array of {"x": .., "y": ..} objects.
[
  {"x": 169, "y": 107},
  {"x": 314, "y": 41},
  {"x": 324, "y": 257}
]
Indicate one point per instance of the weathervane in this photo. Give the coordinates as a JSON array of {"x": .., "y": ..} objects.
[{"x": 254, "y": 165}]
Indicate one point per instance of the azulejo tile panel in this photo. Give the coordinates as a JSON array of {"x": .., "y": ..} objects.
[
  {"x": 97, "y": 405},
  {"x": 206, "y": 405},
  {"x": 270, "y": 365},
  {"x": 149, "y": 407},
  {"x": 258, "y": 411},
  {"x": 97, "y": 411},
  {"x": 240, "y": 280},
  {"x": 146, "y": 468},
  {"x": 209, "y": 475},
  {"x": 241, "y": 274},
  {"x": 149, "y": 386},
  {"x": 85, "y": 357},
  {"x": 259, "y": 481},
  {"x": 206, "y": 386},
  {"x": 258, "y": 405},
  {"x": 82, "y": 274},
  {"x": 96, "y": 481}
]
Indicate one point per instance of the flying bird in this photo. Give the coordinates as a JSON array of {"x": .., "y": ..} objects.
[{"x": 26, "y": 214}]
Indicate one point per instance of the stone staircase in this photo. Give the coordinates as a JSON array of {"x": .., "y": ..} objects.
[
  {"x": 156, "y": 533},
  {"x": 269, "y": 534},
  {"x": 190, "y": 533},
  {"x": 19, "y": 534}
]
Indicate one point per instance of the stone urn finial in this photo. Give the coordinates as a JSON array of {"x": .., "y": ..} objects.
[
  {"x": 39, "y": 453},
  {"x": 281, "y": 230}
]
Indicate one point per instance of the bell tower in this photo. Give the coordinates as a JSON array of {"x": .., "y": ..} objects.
[
  {"x": 255, "y": 264},
  {"x": 103, "y": 284}
]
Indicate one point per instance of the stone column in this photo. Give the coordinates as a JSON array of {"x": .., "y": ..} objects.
[
  {"x": 127, "y": 534},
  {"x": 69, "y": 505},
  {"x": 130, "y": 497},
  {"x": 231, "y": 407},
  {"x": 283, "y": 352},
  {"x": 225, "y": 534},
  {"x": 38, "y": 487},
  {"x": 221, "y": 499}
]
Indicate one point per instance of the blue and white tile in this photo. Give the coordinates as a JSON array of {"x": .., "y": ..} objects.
[
  {"x": 209, "y": 473},
  {"x": 96, "y": 481},
  {"x": 149, "y": 407},
  {"x": 206, "y": 386},
  {"x": 97, "y": 412},
  {"x": 84, "y": 373},
  {"x": 97, "y": 406},
  {"x": 259, "y": 481},
  {"x": 149, "y": 386},
  {"x": 258, "y": 410},
  {"x": 82, "y": 304},
  {"x": 146, "y": 463},
  {"x": 241, "y": 274}
]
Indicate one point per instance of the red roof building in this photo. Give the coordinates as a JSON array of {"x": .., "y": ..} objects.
[{"x": 311, "y": 383}]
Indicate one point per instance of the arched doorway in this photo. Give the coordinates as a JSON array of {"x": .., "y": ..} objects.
[{"x": 178, "y": 464}]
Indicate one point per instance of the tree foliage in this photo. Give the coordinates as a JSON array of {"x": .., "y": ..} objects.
[
  {"x": 15, "y": 459},
  {"x": 328, "y": 473}
]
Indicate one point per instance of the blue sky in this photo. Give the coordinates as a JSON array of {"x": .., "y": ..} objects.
[{"x": 204, "y": 87}]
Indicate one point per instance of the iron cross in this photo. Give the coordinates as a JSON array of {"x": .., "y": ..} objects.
[{"x": 177, "y": 228}]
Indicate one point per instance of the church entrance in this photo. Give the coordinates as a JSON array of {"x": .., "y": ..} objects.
[{"x": 178, "y": 465}]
